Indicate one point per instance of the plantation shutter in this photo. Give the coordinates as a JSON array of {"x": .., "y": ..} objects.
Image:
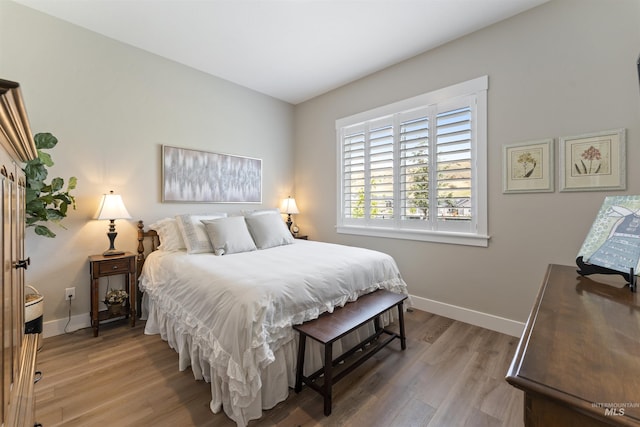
[
  {"x": 380, "y": 178},
  {"x": 414, "y": 165},
  {"x": 454, "y": 163},
  {"x": 353, "y": 172}
]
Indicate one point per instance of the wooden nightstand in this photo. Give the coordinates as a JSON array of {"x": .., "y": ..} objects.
[{"x": 102, "y": 266}]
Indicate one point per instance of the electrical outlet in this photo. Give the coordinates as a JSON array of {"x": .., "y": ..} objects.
[{"x": 70, "y": 293}]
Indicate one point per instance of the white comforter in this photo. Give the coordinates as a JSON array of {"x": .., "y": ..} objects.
[{"x": 238, "y": 309}]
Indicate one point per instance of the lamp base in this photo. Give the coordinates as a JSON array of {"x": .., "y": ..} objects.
[
  {"x": 289, "y": 222},
  {"x": 112, "y": 252}
]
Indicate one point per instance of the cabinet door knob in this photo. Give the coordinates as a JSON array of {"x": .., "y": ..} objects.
[
  {"x": 115, "y": 267},
  {"x": 23, "y": 263}
]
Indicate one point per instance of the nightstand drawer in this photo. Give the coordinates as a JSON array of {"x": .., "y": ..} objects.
[{"x": 116, "y": 266}]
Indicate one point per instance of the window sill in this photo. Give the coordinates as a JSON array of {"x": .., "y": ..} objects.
[{"x": 425, "y": 236}]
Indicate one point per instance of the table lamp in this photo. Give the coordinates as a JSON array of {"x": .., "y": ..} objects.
[
  {"x": 112, "y": 208},
  {"x": 289, "y": 207}
]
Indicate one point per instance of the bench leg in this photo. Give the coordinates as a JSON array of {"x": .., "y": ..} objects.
[
  {"x": 328, "y": 379},
  {"x": 403, "y": 337},
  {"x": 300, "y": 366}
]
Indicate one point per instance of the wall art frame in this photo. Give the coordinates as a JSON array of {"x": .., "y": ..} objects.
[
  {"x": 593, "y": 162},
  {"x": 528, "y": 167},
  {"x": 196, "y": 176}
]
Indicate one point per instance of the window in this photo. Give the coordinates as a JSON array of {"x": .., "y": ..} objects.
[{"x": 416, "y": 169}]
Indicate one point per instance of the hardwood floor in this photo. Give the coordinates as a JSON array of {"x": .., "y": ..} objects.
[{"x": 452, "y": 374}]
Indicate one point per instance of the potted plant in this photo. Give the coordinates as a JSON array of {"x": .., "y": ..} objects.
[
  {"x": 46, "y": 202},
  {"x": 114, "y": 299}
]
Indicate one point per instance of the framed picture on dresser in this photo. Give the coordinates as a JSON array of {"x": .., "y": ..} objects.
[{"x": 613, "y": 242}]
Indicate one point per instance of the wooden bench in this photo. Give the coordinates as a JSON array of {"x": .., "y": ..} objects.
[{"x": 330, "y": 327}]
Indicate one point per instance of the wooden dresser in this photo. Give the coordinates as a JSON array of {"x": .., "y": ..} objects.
[
  {"x": 18, "y": 349},
  {"x": 578, "y": 360}
]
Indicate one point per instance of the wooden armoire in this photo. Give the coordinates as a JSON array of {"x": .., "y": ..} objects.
[{"x": 18, "y": 349}]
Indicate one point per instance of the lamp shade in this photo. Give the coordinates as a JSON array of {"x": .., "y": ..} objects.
[
  {"x": 112, "y": 207},
  {"x": 289, "y": 206}
]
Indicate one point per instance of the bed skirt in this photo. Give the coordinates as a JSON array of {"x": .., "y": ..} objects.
[{"x": 277, "y": 379}]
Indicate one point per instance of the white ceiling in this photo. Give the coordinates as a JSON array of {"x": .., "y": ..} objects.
[{"x": 292, "y": 50}]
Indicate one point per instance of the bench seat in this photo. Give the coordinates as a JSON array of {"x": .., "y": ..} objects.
[{"x": 330, "y": 327}]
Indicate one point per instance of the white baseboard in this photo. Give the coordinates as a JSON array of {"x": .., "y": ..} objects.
[
  {"x": 57, "y": 327},
  {"x": 477, "y": 318},
  {"x": 484, "y": 320}
]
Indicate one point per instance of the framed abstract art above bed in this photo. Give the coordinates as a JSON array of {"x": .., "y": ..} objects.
[{"x": 203, "y": 177}]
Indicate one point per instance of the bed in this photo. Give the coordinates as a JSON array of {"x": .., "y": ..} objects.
[{"x": 230, "y": 317}]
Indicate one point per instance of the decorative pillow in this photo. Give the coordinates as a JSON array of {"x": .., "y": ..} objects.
[
  {"x": 193, "y": 232},
  {"x": 169, "y": 234},
  {"x": 229, "y": 235},
  {"x": 268, "y": 230}
]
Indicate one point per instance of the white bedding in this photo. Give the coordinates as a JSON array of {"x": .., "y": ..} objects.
[{"x": 230, "y": 317}]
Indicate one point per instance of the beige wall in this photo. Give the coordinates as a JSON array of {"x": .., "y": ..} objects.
[
  {"x": 112, "y": 107},
  {"x": 565, "y": 68}
]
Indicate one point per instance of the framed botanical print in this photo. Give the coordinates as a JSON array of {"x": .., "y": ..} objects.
[
  {"x": 528, "y": 167},
  {"x": 593, "y": 162}
]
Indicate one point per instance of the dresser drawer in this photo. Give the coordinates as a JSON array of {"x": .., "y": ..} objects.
[{"x": 116, "y": 266}]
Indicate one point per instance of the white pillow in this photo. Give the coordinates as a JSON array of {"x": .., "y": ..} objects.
[
  {"x": 169, "y": 234},
  {"x": 229, "y": 235},
  {"x": 268, "y": 230},
  {"x": 193, "y": 232},
  {"x": 261, "y": 212}
]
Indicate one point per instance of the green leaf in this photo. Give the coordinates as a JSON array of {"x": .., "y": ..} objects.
[
  {"x": 35, "y": 205},
  {"x": 41, "y": 230},
  {"x": 45, "y": 141},
  {"x": 31, "y": 220},
  {"x": 56, "y": 184},
  {"x": 36, "y": 187},
  {"x": 73, "y": 182},
  {"x": 62, "y": 197},
  {"x": 35, "y": 172},
  {"x": 54, "y": 215},
  {"x": 45, "y": 158},
  {"x": 31, "y": 195},
  {"x": 47, "y": 199}
]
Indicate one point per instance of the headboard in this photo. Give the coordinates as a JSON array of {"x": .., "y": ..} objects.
[
  {"x": 152, "y": 235},
  {"x": 154, "y": 239}
]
